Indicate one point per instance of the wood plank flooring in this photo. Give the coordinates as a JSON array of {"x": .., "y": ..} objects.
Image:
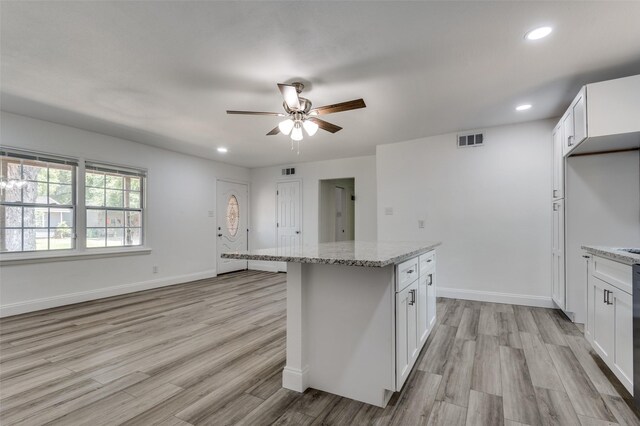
[{"x": 211, "y": 352}]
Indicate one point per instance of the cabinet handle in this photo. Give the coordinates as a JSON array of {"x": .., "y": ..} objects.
[
  {"x": 604, "y": 296},
  {"x": 429, "y": 260},
  {"x": 413, "y": 297},
  {"x": 410, "y": 271},
  {"x": 555, "y": 207},
  {"x": 555, "y": 191},
  {"x": 430, "y": 279},
  {"x": 570, "y": 140},
  {"x": 609, "y": 302}
]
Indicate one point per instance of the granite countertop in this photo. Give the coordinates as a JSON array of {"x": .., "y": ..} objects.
[
  {"x": 375, "y": 254},
  {"x": 613, "y": 253}
]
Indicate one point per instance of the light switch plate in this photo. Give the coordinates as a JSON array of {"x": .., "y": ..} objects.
[
  {"x": 388, "y": 211},
  {"x": 420, "y": 224}
]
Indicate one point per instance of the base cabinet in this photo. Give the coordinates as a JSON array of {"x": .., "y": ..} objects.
[
  {"x": 415, "y": 312},
  {"x": 609, "y": 325}
]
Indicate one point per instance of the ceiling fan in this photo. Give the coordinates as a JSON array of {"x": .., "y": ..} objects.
[{"x": 300, "y": 115}]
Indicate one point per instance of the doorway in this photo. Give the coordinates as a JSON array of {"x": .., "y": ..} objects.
[
  {"x": 232, "y": 214},
  {"x": 288, "y": 217},
  {"x": 336, "y": 210}
]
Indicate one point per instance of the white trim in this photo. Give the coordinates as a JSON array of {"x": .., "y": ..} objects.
[
  {"x": 23, "y": 258},
  {"x": 83, "y": 296},
  {"x": 490, "y": 296},
  {"x": 295, "y": 379}
]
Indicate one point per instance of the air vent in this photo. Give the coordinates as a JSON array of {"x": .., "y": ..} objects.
[
  {"x": 470, "y": 139},
  {"x": 288, "y": 172}
]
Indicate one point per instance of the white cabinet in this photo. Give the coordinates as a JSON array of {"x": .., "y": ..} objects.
[
  {"x": 406, "y": 332},
  {"x": 557, "y": 255},
  {"x": 609, "y": 326},
  {"x": 603, "y": 117},
  {"x": 415, "y": 311},
  {"x": 557, "y": 191},
  {"x": 574, "y": 123}
]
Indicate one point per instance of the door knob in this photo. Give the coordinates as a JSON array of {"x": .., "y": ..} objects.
[
  {"x": 297, "y": 232},
  {"x": 219, "y": 235}
]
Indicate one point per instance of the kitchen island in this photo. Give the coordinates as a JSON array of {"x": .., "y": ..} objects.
[{"x": 358, "y": 314}]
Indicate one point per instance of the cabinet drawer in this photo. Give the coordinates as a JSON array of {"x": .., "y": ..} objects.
[
  {"x": 615, "y": 273},
  {"x": 406, "y": 273},
  {"x": 427, "y": 262}
]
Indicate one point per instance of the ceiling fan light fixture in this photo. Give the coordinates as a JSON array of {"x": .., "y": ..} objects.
[
  {"x": 310, "y": 127},
  {"x": 286, "y": 126},
  {"x": 296, "y": 133}
]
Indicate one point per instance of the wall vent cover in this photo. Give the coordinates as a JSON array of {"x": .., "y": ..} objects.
[
  {"x": 470, "y": 139},
  {"x": 288, "y": 172}
]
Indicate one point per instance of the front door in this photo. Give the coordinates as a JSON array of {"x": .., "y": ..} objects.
[
  {"x": 231, "y": 208},
  {"x": 289, "y": 217}
]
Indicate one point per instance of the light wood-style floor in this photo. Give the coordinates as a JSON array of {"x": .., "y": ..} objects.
[{"x": 211, "y": 352}]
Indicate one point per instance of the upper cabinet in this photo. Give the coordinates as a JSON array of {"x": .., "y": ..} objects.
[
  {"x": 603, "y": 117},
  {"x": 557, "y": 191}
]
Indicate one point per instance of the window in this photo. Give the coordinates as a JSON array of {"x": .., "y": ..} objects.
[
  {"x": 114, "y": 206},
  {"x": 233, "y": 216},
  {"x": 37, "y": 202}
]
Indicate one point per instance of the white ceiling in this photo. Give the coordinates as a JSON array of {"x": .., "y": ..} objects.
[{"x": 163, "y": 73}]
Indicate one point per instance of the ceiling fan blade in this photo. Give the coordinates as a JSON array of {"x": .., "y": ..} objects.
[
  {"x": 325, "y": 125},
  {"x": 275, "y": 131},
  {"x": 275, "y": 114},
  {"x": 342, "y": 106},
  {"x": 290, "y": 95}
]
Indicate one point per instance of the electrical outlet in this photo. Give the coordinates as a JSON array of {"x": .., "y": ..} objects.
[
  {"x": 155, "y": 269},
  {"x": 388, "y": 211},
  {"x": 421, "y": 224},
  {"x": 211, "y": 213}
]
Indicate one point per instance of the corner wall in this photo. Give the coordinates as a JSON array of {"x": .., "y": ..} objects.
[
  {"x": 181, "y": 190},
  {"x": 489, "y": 205}
]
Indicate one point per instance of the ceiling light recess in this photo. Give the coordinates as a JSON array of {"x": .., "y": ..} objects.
[
  {"x": 523, "y": 107},
  {"x": 222, "y": 149},
  {"x": 538, "y": 33}
]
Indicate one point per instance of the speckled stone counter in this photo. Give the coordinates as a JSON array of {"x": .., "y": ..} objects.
[
  {"x": 613, "y": 253},
  {"x": 376, "y": 254}
]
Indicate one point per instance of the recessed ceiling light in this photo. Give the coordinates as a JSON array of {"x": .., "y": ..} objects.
[
  {"x": 222, "y": 149},
  {"x": 538, "y": 33},
  {"x": 523, "y": 107}
]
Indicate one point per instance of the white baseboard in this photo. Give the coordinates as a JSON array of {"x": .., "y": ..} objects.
[
  {"x": 490, "y": 296},
  {"x": 295, "y": 379},
  {"x": 83, "y": 296}
]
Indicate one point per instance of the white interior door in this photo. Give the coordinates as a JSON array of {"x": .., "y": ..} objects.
[
  {"x": 232, "y": 214},
  {"x": 340, "y": 203},
  {"x": 288, "y": 216}
]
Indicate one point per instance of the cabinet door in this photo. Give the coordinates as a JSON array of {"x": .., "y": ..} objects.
[
  {"x": 557, "y": 255},
  {"x": 579, "y": 111},
  {"x": 568, "y": 135},
  {"x": 423, "y": 309},
  {"x": 622, "y": 361},
  {"x": 557, "y": 164},
  {"x": 431, "y": 300},
  {"x": 406, "y": 332},
  {"x": 603, "y": 318}
]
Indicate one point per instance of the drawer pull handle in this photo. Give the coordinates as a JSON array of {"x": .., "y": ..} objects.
[
  {"x": 604, "y": 296},
  {"x": 429, "y": 260},
  {"x": 410, "y": 271},
  {"x": 413, "y": 297},
  {"x": 430, "y": 279}
]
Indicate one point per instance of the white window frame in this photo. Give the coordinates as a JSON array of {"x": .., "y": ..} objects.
[{"x": 81, "y": 251}]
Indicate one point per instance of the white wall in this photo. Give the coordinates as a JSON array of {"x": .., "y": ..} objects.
[
  {"x": 602, "y": 207},
  {"x": 181, "y": 192},
  {"x": 490, "y": 207},
  {"x": 263, "y": 200}
]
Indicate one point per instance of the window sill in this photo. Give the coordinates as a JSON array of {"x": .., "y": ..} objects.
[{"x": 27, "y": 258}]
